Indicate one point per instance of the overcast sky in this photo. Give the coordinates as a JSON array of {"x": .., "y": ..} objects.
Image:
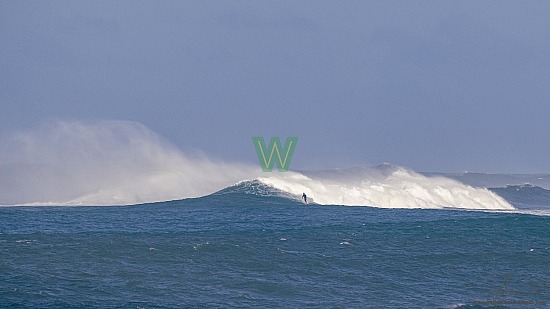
[{"x": 429, "y": 85}]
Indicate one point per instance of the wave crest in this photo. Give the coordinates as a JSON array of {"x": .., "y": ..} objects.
[{"x": 123, "y": 162}]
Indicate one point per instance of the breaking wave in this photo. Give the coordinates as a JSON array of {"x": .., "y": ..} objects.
[
  {"x": 123, "y": 162},
  {"x": 386, "y": 186}
]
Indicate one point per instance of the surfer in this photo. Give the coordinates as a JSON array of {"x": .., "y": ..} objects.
[{"x": 304, "y": 197}]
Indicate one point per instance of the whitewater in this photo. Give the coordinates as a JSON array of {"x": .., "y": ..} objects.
[{"x": 125, "y": 163}]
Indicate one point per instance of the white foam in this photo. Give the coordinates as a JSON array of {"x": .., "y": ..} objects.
[{"x": 385, "y": 186}]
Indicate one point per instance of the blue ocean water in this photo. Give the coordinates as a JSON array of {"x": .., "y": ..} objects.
[{"x": 249, "y": 249}]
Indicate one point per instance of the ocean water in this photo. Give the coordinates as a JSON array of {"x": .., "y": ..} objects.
[{"x": 251, "y": 245}]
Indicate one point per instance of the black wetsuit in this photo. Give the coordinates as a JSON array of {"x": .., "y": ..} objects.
[{"x": 304, "y": 197}]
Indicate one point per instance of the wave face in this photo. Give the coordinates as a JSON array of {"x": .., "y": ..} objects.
[
  {"x": 122, "y": 163},
  {"x": 383, "y": 186}
]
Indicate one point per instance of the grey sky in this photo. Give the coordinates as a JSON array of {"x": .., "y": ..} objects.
[{"x": 430, "y": 85}]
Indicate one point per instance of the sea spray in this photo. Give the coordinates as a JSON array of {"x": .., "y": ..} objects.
[
  {"x": 105, "y": 163},
  {"x": 123, "y": 162}
]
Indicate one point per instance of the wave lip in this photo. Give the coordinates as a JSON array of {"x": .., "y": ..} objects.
[
  {"x": 253, "y": 187},
  {"x": 385, "y": 186}
]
